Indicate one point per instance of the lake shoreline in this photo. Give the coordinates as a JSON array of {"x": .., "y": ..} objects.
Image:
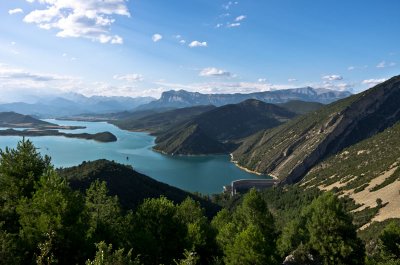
[{"x": 206, "y": 174}]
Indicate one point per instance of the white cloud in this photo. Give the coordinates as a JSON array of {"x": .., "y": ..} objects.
[
  {"x": 196, "y": 43},
  {"x": 90, "y": 19},
  {"x": 262, "y": 80},
  {"x": 182, "y": 42},
  {"x": 381, "y": 65},
  {"x": 214, "y": 72},
  {"x": 332, "y": 77},
  {"x": 8, "y": 73},
  {"x": 219, "y": 25},
  {"x": 373, "y": 82},
  {"x": 384, "y": 64},
  {"x": 223, "y": 87},
  {"x": 15, "y": 11},
  {"x": 292, "y": 80},
  {"x": 351, "y": 68},
  {"x": 233, "y": 25},
  {"x": 17, "y": 82},
  {"x": 339, "y": 87},
  {"x": 157, "y": 37},
  {"x": 129, "y": 77},
  {"x": 117, "y": 40},
  {"x": 229, "y": 4},
  {"x": 240, "y": 18}
]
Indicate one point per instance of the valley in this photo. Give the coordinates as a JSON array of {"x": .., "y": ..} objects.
[{"x": 210, "y": 132}]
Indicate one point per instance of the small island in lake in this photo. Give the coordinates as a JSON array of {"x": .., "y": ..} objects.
[
  {"x": 35, "y": 127},
  {"x": 104, "y": 137}
]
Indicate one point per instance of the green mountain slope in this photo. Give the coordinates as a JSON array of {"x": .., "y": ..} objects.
[
  {"x": 156, "y": 122},
  {"x": 368, "y": 172},
  {"x": 14, "y": 120},
  {"x": 130, "y": 186},
  {"x": 218, "y": 130},
  {"x": 301, "y": 107},
  {"x": 293, "y": 148}
]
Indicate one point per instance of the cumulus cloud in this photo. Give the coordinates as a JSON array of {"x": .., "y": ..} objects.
[
  {"x": 214, "y": 72},
  {"x": 196, "y": 43},
  {"x": 373, "y": 82},
  {"x": 15, "y": 11},
  {"x": 157, "y": 37},
  {"x": 262, "y": 80},
  {"x": 233, "y": 25},
  {"x": 332, "y": 77},
  {"x": 240, "y": 18},
  {"x": 292, "y": 80},
  {"x": 129, "y": 77},
  {"x": 180, "y": 39},
  {"x": 90, "y": 19},
  {"x": 17, "y": 82}
]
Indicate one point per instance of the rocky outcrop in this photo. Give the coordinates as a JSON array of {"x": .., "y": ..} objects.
[{"x": 182, "y": 98}]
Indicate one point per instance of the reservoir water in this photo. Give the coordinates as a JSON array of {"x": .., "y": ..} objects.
[{"x": 205, "y": 174}]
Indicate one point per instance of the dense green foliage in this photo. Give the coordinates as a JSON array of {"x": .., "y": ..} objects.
[
  {"x": 130, "y": 186},
  {"x": 45, "y": 221}
]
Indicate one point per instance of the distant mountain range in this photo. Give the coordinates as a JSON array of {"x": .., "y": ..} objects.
[
  {"x": 182, "y": 98},
  {"x": 74, "y": 104}
]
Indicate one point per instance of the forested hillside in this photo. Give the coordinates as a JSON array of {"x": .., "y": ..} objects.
[
  {"x": 43, "y": 220},
  {"x": 217, "y": 130}
]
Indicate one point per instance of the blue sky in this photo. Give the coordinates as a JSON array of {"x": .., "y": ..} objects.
[{"x": 144, "y": 47}]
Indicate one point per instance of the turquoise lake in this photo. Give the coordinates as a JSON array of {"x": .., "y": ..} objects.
[{"x": 204, "y": 174}]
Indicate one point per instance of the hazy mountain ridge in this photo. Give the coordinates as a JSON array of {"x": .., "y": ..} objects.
[
  {"x": 182, "y": 98},
  {"x": 73, "y": 104},
  {"x": 290, "y": 150},
  {"x": 14, "y": 120},
  {"x": 155, "y": 122}
]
